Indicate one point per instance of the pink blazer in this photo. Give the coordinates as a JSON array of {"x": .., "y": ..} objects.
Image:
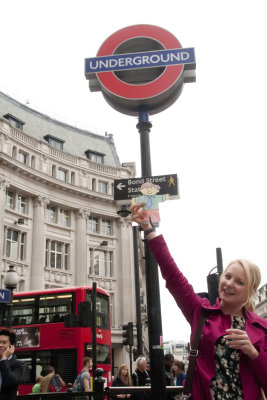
[{"x": 253, "y": 372}]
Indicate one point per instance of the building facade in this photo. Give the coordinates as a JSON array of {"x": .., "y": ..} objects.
[
  {"x": 261, "y": 302},
  {"x": 58, "y": 220}
]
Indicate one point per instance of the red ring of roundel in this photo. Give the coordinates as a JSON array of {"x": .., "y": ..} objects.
[{"x": 148, "y": 90}]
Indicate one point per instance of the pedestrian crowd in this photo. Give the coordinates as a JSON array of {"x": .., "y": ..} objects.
[{"x": 174, "y": 376}]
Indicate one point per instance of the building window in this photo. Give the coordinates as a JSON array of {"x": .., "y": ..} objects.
[
  {"x": 22, "y": 157},
  {"x": 21, "y": 204},
  {"x": 17, "y": 123},
  {"x": 10, "y": 199},
  {"x": 14, "y": 152},
  {"x": 106, "y": 227},
  {"x": 93, "y": 184},
  {"x": 54, "y": 142},
  {"x": 16, "y": 201},
  {"x": 95, "y": 156},
  {"x": 72, "y": 178},
  {"x": 56, "y": 215},
  {"x": 64, "y": 217},
  {"x": 33, "y": 162},
  {"x": 102, "y": 187},
  {"x": 22, "y": 246},
  {"x": 57, "y": 255},
  {"x": 109, "y": 264},
  {"x": 66, "y": 260},
  {"x": 54, "y": 171},
  {"x": 51, "y": 214},
  {"x": 15, "y": 244},
  {"x": 93, "y": 225},
  {"x": 101, "y": 263},
  {"x": 62, "y": 174}
]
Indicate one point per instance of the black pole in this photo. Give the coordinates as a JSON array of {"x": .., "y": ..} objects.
[
  {"x": 131, "y": 359},
  {"x": 219, "y": 260},
  {"x": 94, "y": 328},
  {"x": 9, "y": 307},
  {"x": 137, "y": 293},
  {"x": 152, "y": 282},
  {"x": 213, "y": 280}
]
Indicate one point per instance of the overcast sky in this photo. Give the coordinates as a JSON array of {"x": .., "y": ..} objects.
[{"x": 213, "y": 137}]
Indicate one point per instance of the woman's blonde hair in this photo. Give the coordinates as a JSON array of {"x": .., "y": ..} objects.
[
  {"x": 253, "y": 279},
  {"x": 127, "y": 380}
]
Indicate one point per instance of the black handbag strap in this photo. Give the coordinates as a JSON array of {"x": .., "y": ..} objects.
[{"x": 194, "y": 352}]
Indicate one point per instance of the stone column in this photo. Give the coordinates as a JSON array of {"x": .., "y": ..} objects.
[
  {"x": 125, "y": 270},
  {"x": 81, "y": 270},
  {"x": 3, "y": 187},
  {"x": 38, "y": 244}
]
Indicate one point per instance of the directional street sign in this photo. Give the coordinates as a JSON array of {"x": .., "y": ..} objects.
[
  {"x": 126, "y": 189},
  {"x": 5, "y": 296}
]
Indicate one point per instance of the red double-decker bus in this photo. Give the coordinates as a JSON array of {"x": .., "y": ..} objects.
[{"x": 53, "y": 327}]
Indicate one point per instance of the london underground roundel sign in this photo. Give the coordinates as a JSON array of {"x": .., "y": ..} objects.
[{"x": 141, "y": 66}]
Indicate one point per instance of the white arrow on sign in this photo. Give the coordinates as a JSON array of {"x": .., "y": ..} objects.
[{"x": 120, "y": 186}]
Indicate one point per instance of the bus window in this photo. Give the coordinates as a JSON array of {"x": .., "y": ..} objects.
[
  {"x": 41, "y": 309},
  {"x": 37, "y": 363},
  {"x": 24, "y": 311},
  {"x": 102, "y": 353},
  {"x": 102, "y": 310},
  {"x": 54, "y": 307},
  {"x": 43, "y": 361},
  {"x": 28, "y": 376}
]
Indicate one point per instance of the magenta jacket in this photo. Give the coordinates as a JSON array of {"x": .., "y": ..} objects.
[{"x": 253, "y": 372}]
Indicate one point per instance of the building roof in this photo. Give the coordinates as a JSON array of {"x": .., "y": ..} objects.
[{"x": 76, "y": 141}]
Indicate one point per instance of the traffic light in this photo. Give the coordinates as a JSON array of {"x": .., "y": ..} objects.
[{"x": 128, "y": 334}]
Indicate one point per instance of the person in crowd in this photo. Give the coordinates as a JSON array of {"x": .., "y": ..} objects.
[
  {"x": 178, "y": 372},
  {"x": 11, "y": 369},
  {"x": 123, "y": 379},
  {"x": 141, "y": 376},
  {"x": 51, "y": 382},
  {"x": 83, "y": 381},
  {"x": 168, "y": 363},
  {"x": 232, "y": 358},
  {"x": 36, "y": 387}
]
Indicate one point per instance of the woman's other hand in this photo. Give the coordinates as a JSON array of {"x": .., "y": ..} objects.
[
  {"x": 238, "y": 339},
  {"x": 137, "y": 217}
]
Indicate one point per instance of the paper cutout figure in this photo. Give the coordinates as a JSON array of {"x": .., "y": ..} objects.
[{"x": 152, "y": 199}]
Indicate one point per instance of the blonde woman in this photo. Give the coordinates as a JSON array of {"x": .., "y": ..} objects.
[
  {"x": 123, "y": 379},
  {"x": 232, "y": 357}
]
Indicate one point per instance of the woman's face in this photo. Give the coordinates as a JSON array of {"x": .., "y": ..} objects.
[
  {"x": 174, "y": 368},
  {"x": 124, "y": 371},
  {"x": 233, "y": 287}
]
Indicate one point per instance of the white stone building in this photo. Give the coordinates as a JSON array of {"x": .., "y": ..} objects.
[
  {"x": 261, "y": 302},
  {"x": 59, "y": 180}
]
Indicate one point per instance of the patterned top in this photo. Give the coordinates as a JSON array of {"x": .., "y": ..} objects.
[{"x": 227, "y": 383}]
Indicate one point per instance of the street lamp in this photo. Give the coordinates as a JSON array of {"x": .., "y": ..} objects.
[
  {"x": 11, "y": 281},
  {"x": 124, "y": 212}
]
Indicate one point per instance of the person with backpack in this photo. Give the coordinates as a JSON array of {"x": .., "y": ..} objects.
[
  {"x": 83, "y": 381},
  {"x": 51, "y": 382}
]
